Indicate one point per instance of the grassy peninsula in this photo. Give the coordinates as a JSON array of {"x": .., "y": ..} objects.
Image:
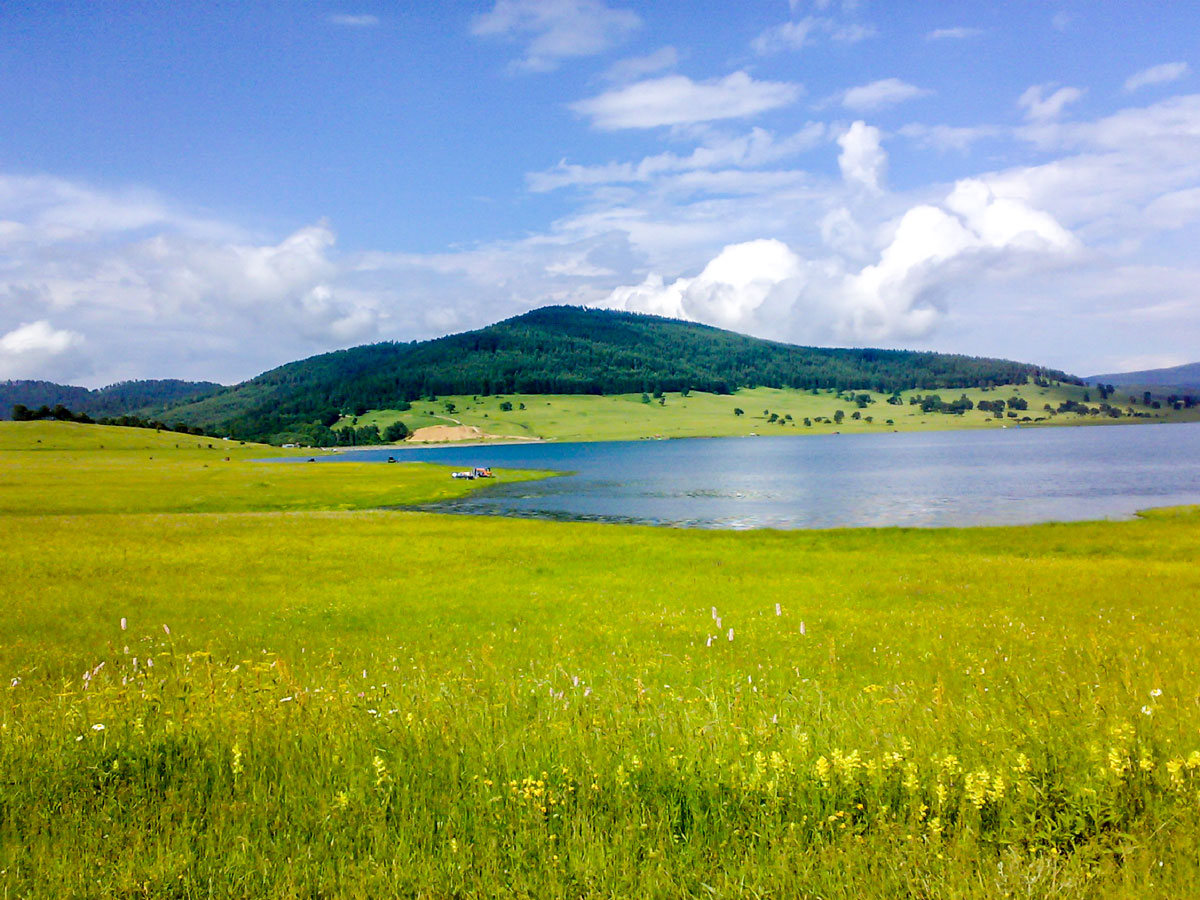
[{"x": 283, "y": 697}]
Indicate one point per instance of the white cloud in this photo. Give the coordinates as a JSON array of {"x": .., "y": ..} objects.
[
  {"x": 800, "y": 33},
  {"x": 354, "y": 21},
  {"x": 160, "y": 293},
  {"x": 728, "y": 292},
  {"x": 765, "y": 287},
  {"x": 677, "y": 100},
  {"x": 31, "y": 348},
  {"x": 755, "y": 148},
  {"x": 956, "y": 33},
  {"x": 557, "y": 29},
  {"x": 853, "y": 33},
  {"x": 788, "y": 36},
  {"x": 880, "y": 94},
  {"x": 1040, "y": 108},
  {"x": 1162, "y": 74},
  {"x": 862, "y": 160},
  {"x": 949, "y": 137},
  {"x": 636, "y": 67}
]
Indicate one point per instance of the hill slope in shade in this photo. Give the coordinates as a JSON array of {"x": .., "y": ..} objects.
[
  {"x": 571, "y": 350},
  {"x": 122, "y": 398},
  {"x": 1186, "y": 377}
]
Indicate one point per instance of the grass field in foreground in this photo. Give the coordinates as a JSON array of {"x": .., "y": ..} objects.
[
  {"x": 369, "y": 704},
  {"x": 584, "y": 417}
]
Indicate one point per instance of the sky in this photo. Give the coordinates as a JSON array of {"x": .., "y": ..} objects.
[{"x": 207, "y": 190}]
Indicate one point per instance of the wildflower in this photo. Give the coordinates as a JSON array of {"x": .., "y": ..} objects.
[
  {"x": 167, "y": 630},
  {"x": 1118, "y": 762},
  {"x": 99, "y": 726},
  {"x": 1175, "y": 771},
  {"x": 976, "y": 789},
  {"x": 996, "y": 793},
  {"x": 821, "y": 768},
  {"x": 235, "y": 764},
  {"x": 341, "y": 800},
  {"x": 778, "y": 610},
  {"x": 123, "y": 623},
  {"x": 381, "y": 772},
  {"x": 802, "y": 626},
  {"x": 1147, "y": 711},
  {"x": 1157, "y": 692},
  {"x": 731, "y": 634}
]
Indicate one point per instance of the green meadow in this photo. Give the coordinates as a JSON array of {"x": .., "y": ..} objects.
[
  {"x": 585, "y": 417},
  {"x": 230, "y": 678}
]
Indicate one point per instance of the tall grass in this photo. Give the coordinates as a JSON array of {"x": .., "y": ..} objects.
[{"x": 366, "y": 704}]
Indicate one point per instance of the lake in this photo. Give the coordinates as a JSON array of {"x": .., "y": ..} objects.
[{"x": 950, "y": 478}]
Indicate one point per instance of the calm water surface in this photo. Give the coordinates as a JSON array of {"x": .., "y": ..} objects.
[{"x": 1010, "y": 476}]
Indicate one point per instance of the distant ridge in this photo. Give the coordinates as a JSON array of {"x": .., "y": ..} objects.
[
  {"x": 572, "y": 350},
  {"x": 122, "y": 398},
  {"x": 1185, "y": 377}
]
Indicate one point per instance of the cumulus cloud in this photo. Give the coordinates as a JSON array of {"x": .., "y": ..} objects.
[
  {"x": 1042, "y": 107},
  {"x": 881, "y": 94},
  {"x": 956, "y": 33},
  {"x": 30, "y": 349},
  {"x": 764, "y": 286},
  {"x": 678, "y": 100},
  {"x": 1162, "y": 74},
  {"x": 557, "y": 29},
  {"x": 159, "y": 293},
  {"x": 862, "y": 160},
  {"x": 729, "y": 290}
]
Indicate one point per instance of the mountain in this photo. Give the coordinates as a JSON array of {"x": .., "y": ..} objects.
[
  {"x": 1186, "y": 378},
  {"x": 569, "y": 350},
  {"x": 122, "y": 398}
]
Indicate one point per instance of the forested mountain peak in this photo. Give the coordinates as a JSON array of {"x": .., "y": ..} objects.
[{"x": 573, "y": 350}]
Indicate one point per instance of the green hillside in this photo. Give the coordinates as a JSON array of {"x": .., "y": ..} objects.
[{"x": 571, "y": 351}]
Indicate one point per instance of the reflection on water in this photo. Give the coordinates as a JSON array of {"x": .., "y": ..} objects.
[{"x": 998, "y": 477}]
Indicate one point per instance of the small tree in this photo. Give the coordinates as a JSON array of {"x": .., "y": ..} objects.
[
  {"x": 397, "y": 431},
  {"x": 506, "y": 406},
  {"x": 838, "y": 416},
  {"x": 737, "y": 411}
]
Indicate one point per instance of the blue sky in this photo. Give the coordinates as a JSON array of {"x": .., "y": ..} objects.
[{"x": 206, "y": 191}]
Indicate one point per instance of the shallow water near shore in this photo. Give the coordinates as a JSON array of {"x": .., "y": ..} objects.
[{"x": 952, "y": 478}]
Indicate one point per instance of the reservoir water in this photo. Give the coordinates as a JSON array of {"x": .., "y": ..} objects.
[{"x": 1001, "y": 477}]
